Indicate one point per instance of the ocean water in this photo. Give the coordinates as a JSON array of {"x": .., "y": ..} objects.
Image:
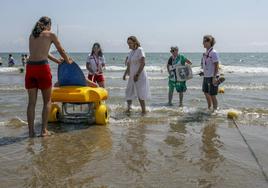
[{"x": 168, "y": 147}]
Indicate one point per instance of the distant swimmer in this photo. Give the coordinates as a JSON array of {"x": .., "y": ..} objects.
[
  {"x": 1, "y": 62},
  {"x": 38, "y": 74},
  {"x": 180, "y": 86},
  {"x": 210, "y": 66},
  {"x": 23, "y": 59},
  {"x": 11, "y": 61}
]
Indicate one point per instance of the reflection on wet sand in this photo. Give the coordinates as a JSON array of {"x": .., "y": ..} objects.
[
  {"x": 176, "y": 139},
  {"x": 210, "y": 148},
  {"x": 133, "y": 153},
  {"x": 210, "y": 156},
  {"x": 59, "y": 159}
]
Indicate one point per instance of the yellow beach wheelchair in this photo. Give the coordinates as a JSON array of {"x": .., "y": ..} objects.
[{"x": 77, "y": 104}]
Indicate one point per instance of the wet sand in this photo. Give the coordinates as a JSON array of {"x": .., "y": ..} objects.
[{"x": 190, "y": 150}]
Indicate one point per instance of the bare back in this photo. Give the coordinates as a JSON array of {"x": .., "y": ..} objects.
[{"x": 39, "y": 47}]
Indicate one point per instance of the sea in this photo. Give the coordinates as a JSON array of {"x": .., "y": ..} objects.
[{"x": 170, "y": 146}]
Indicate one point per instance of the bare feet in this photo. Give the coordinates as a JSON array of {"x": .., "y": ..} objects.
[
  {"x": 128, "y": 111},
  {"x": 143, "y": 112},
  {"x": 45, "y": 133}
]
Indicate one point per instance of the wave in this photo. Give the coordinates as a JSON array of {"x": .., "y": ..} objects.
[
  {"x": 12, "y": 88},
  {"x": 196, "y": 70},
  {"x": 235, "y": 87},
  {"x": 231, "y": 87},
  {"x": 14, "y": 122},
  {"x": 9, "y": 69},
  {"x": 248, "y": 87},
  {"x": 242, "y": 69},
  {"x": 112, "y": 68}
]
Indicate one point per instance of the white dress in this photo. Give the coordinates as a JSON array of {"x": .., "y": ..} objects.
[{"x": 140, "y": 88}]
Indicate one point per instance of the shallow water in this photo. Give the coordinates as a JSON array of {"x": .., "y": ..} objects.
[{"x": 169, "y": 147}]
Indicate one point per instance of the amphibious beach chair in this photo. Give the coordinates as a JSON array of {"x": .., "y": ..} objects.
[{"x": 79, "y": 103}]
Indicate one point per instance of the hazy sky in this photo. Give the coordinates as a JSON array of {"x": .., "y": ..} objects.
[{"x": 238, "y": 25}]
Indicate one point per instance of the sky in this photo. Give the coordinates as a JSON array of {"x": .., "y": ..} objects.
[{"x": 237, "y": 25}]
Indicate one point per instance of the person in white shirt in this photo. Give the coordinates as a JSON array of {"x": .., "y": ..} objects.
[
  {"x": 138, "y": 84},
  {"x": 11, "y": 61},
  {"x": 95, "y": 65},
  {"x": 210, "y": 66}
]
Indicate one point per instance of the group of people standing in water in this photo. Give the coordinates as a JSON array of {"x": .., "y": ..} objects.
[{"x": 38, "y": 74}]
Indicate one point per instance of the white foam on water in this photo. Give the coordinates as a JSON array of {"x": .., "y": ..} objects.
[
  {"x": 249, "y": 87},
  {"x": 9, "y": 69},
  {"x": 149, "y": 68},
  {"x": 14, "y": 122},
  {"x": 224, "y": 112},
  {"x": 196, "y": 70},
  {"x": 12, "y": 88},
  {"x": 243, "y": 69},
  {"x": 149, "y": 77},
  {"x": 123, "y": 88},
  {"x": 115, "y": 68}
]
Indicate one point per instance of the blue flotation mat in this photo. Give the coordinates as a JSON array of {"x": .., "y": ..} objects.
[{"x": 70, "y": 75}]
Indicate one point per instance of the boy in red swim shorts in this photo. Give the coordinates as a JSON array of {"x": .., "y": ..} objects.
[{"x": 38, "y": 75}]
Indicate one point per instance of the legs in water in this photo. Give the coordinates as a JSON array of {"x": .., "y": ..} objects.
[
  {"x": 209, "y": 100},
  {"x": 32, "y": 97},
  {"x": 142, "y": 103},
  {"x": 170, "y": 96},
  {"x": 129, "y": 103},
  {"x": 181, "y": 99},
  {"x": 214, "y": 102},
  {"x": 46, "y": 94},
  {"x": 143, "y": 108}
]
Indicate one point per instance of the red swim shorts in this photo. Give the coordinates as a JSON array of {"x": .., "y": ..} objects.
[
  {"x": 38, "y": 76},
  {"x": 96, "y": 78}
]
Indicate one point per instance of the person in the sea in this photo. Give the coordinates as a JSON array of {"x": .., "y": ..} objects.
[
  {"x": 1, "y": 61},
  {"x": 138, "y": 83},
  {"x": 175, "y": 59},
  {"x": 38, "y": 74},
  {"x": 23, "y": 60},
  {"x": 11, "y": 61},
  {"x": 95, "y": 65},
  {"x": 210, "y": 66}
]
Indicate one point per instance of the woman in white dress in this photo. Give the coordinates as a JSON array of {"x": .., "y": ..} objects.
[{"x": 138, "y": 85}]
